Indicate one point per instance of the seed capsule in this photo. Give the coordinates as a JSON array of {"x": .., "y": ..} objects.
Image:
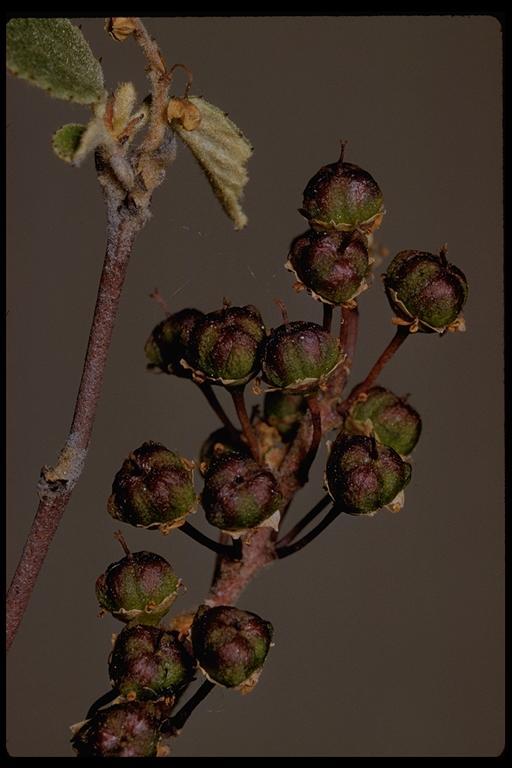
[
  {"x": 220, "y": 443},
  {"x": 426, "y": 292},
  {"x": 120, "y": 27},
  {"x": 393, "y": 421},
  {"x": 239, "y": 494},
  {"x": 149, "y": 662},
  {"x": 153, "y": 488},
  {"x": 363, "y": 476},
  {"x": 225, "y": 346},
  {"x": 123, "y": 730},
  {"x": 230, "y": 645},
  {"x": 169, "y": 340},
  {"x": 332, "y": 266},
  {"x": 299, "y": 356},
  {"x": 138, "y": 589},
  {"x": 342, "y": 196}
]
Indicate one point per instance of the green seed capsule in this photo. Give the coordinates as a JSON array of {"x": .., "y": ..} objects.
[
  {"x": 230, "y": 645},
  {"x": 426, "y": 292},
  {"x": 123, "y": 730},
  {"x": 332, "y": 266},
  {"x": 239, "y": 493},
  {"x": 298, "y": 356},
  {"x": 363, "y": 476},
  {"x": 169, "y": 340},
  {"x": 138, "y": 589},
  {"x": 153, "y": 489},
  {"x": 343, "y": 197},
  {"x": 149, "y": 662},
  {"x": 225, "y": 346},
  {"x": 393, "y": 421}
]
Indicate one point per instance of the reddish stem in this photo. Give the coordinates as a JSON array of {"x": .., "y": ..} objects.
[
  {"x": 316, "y": 531},
  {"x": 396, "y": 342},
  {"x": 306, "y": 520},
  {"x": 57, "y": 483},
  {"x": 231, "y": 551},
  {"x": 348, "y": 332},
  {"x": 316, "y": 418},
  {"x": 327, "y": 320},
  {"x": 217, "y": 408},
  {"x": 173, "y": 726},
  {"x": 252, "y": 441}
]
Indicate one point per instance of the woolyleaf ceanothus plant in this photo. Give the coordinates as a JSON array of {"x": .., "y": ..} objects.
[{"x": 249, "y": 471}]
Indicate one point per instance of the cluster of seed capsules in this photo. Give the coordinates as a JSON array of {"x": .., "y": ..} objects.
[
  {"x": 367, "y": 468},
  {"x": 150, "y": 667}
]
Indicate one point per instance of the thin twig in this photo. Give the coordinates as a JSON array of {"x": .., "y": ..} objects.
[
  {"x": 126, "y": 215},
  {"x": 217, "y": 408},
  {"x": 174, "y": 725},
  {"x": 101, "y": 701},
  {"x": 316, "y": 419},
  {"x": 57, "y": 483},
  {"x": 316, "y": 531},
  {"x": 327, "y": 318},
  {"x": 348, "y": 332},
  {"x": 402, "y": 333},
  {"x": 118, "y": 535},
  {"x": 226, "y": 550},
  {"x": 239, "y": 401},
  {"x": 304, "y": 522}
]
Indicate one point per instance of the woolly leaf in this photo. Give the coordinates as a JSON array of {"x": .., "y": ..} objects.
[
  {"x": 66, "y": 141},
  {"x": 222, "y": 151},
  {"x": 53, "y": 54},
  {"x": 73, "y": 142}
]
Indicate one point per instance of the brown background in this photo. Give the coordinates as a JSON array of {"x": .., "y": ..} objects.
[{"x": 388, "y": 631}]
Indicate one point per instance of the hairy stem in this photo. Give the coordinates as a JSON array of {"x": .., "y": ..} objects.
[
  {"x": 160, "y": 80},
  {"x": 396, "y": 342},
  {"x": 57, "y": 483},
  {"x": 304, "y": 522},
  {"x": 252, "y": 441},
  {"x": 316, "y": 531}
]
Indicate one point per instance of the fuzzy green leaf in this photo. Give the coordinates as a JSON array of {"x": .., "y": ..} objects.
[
  {"x": 53, "y": 54},
  {"x": 73, "y": 142},
  {"x": 66, "y": 141},
  {"x": 222, "y": 151}
]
